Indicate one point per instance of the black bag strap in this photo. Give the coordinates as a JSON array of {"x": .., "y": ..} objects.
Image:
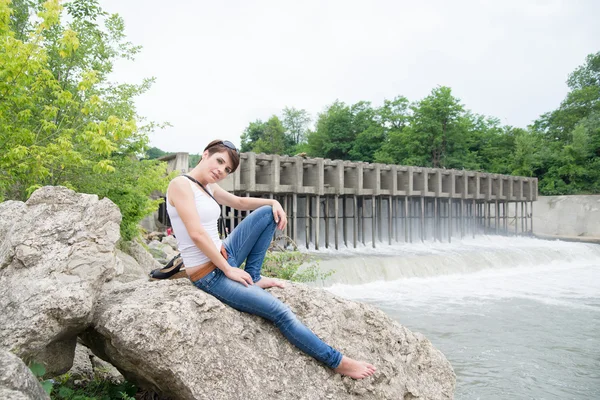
[{"x": 221, "y": 222}]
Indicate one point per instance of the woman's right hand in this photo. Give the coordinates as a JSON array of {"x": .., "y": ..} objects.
[{"x": 239, "y": 275}]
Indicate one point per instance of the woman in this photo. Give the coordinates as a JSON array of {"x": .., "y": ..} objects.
[{"x": 213, "y": 265}]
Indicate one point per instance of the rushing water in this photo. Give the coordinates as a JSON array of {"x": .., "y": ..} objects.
[{"x": 517, "y": 318}]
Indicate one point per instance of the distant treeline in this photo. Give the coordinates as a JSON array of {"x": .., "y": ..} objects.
[{"x": 561, "y": 148}]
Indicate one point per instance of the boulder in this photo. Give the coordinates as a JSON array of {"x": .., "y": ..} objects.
[
  {"x": 174, "y": 339},
  {"x": 143, "y": 257},
  {"x": 105, "y": 371},
  {"x": 162, "y": 252},
  {"x": 62, "y": 277},
  {"x": 55, "y": 256},
  {"x": 10, "y": 211},
  {"x": 16, "y": 380},
  {"x": 128, "y": 268},
  {"x": 87, "y": 367},
  {"x": 82, "y": 369},
  {"x": 171, "y": 241}
]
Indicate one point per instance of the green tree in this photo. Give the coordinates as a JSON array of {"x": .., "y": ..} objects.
[
  {"x": 295, "y": 122},
  {"x": 582, "y": 100},
  {"x": 253, "y": 132},
  {"x": 570, "y": 153},
  {"x": 346, "y": 132},
  {"x": 395, "y": 118},
  {"x": 436, "y": 121},
  {"x": 272, "y": 140},
  {"x": 61, "y": 121},
  {"x": 333, "y": 137},
  {"x": 154, "y": 152},
  {"x": 433, "y": 132}
]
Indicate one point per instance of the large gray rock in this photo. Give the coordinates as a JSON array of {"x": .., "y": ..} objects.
[
  {"x": 10, "y": 211},
  {"x": 82, "y": 369},
  {"x": 128, "y": 269},
  {"x": 16, "y": 380},
  {"x": 87, "y": 367},
  {"x": 171, "y": 241},
  {"x": 174, "y": 339},
  {"x": 162, "y": 252},
  {"x": 55, "y": 256},
  {"x": 142, "y": 256}
]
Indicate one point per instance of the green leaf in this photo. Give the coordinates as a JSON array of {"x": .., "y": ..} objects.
[
  {"x": 47, "y": 386},
  {"x": 37, "y": 369}
]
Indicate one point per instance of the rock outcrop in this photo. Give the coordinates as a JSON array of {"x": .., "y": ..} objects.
[
  {"x": 55, "y": 257},
  {"x": 61, "y": 278},
  {"x": 184, "y": 343},
  {"x": 16, "y": 380}
]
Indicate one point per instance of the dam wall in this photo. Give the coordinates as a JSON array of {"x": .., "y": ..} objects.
[
  {"x": 334, "y": 202},
  {"x": 567, "y": 216}
]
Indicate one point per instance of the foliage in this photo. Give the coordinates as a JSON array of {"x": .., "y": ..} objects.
[
  {"x": 295, "y": 123},
  {"x": 65, "y": 388},
  {"x": 561, "y": 148},
  {"x": 61, "y": 121},
  {"x": 38, "y": 370},
  {"x": 286, "y": 265},
  {"x": 272, "y": 139},
  {"x": 265, "y": 137},
  {"x": 154, "y": 152},
  {"x": 193, "y": 160},
  {"x": 570, "y": 151}
]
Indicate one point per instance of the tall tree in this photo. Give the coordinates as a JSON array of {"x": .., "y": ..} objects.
[
  {"x": 340, "y": 126},
  {"x": 436, "y": 120},
  {"x": 582, "y": 100},
  {"x": 333, "y": 137},
  {"x": 295, "y": 123},
  {"x": 395, "y": 118},
  {"x": 253, "y": 132},
  {"x": 571, "y": 152},
  {"x": 272, "y": 140},
  {"x": 61, "y": 121}
]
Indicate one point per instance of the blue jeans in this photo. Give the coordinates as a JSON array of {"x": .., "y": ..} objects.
[{"x": 249, "y": 241}]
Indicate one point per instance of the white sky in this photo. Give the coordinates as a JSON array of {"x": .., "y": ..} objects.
[{"x": 222, "y": 64}]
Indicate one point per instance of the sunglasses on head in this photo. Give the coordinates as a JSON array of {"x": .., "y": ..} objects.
[{"x": 225, "y": 143}]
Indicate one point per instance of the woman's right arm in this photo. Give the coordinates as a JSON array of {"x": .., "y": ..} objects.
[{"x": 182, "y": 198}]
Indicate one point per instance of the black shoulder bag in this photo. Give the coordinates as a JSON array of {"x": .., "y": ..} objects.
[{"x": 221, "y": 221}]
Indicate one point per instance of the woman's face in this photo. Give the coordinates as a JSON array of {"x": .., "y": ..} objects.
[{"x": 218, "y": 166}]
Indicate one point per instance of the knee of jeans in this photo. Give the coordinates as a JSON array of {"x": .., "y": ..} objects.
[
  {"x": 266, "y": 211},
  {"x": 284, "y": 316}
]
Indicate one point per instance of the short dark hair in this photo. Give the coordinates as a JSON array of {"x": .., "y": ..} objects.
[{"x": 218, "y": 146}]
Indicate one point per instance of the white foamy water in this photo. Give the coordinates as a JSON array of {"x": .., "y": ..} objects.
[{"x": 517, "y": 318}]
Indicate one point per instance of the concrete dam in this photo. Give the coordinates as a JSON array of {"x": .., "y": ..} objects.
[{"x": 334, "y": 202}]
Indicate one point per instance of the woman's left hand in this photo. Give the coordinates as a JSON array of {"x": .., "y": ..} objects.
[{"x": 279, "y": 215}]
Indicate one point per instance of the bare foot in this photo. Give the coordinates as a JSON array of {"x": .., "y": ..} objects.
[
  {"x": 355, "y": 369},
  {"x": 265, "y": 282}
]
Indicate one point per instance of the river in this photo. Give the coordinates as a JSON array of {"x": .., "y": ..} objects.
[{"x": 518, "y": 318}]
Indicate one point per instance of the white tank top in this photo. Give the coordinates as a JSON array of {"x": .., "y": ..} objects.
[{"x": 209, "y": 212}]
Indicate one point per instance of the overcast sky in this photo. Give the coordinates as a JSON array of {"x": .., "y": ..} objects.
[{"x": 222, "y": 64}]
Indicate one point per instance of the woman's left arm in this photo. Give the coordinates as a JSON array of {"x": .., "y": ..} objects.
[{"x": 250, "y": 203}]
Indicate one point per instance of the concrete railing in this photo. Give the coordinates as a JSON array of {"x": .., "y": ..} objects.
[{"x": 264, "y": 174}]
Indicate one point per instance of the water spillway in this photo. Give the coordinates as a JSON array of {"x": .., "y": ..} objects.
[
  {"x": 517, "y": 317},
  {"x": 334, "y": 203}
]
